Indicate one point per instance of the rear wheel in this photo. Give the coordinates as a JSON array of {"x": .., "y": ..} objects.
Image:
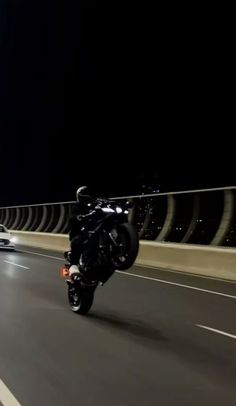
[{"x": 80, "y": 302}]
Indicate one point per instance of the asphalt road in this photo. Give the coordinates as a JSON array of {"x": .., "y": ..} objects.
[{"x": 146, "y": 340}]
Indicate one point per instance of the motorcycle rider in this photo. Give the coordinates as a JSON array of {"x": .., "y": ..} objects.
[{"x": 83, "y": 213}]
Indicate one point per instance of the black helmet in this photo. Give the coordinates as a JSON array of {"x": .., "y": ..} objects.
[{"x": 82, "y": 194}]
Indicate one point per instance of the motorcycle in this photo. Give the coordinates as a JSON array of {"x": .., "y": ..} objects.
[{"x": 112, "y": 244}]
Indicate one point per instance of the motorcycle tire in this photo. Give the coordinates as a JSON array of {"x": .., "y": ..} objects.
[{"x": 80, "y": 302}]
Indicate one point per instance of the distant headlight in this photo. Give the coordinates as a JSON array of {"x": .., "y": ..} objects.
[{"x": 119, "y": 210}]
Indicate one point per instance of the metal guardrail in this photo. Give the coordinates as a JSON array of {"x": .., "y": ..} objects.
[{"x": 204, "y": 216}]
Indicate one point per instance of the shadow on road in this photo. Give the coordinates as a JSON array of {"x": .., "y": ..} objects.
[{"x": 136, "y": 328}]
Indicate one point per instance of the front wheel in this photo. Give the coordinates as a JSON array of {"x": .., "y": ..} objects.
[
  {"x": 126, "y": 251},
  {"x": 80, "y": 302}
]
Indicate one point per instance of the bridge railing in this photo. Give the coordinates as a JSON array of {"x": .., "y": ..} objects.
[{"x": 205, "y": 216}]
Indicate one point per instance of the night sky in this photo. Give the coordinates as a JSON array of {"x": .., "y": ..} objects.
[{"x": 107, "y": 76}]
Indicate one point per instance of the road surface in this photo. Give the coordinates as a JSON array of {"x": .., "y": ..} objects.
[{"x": 151, "y": 338}]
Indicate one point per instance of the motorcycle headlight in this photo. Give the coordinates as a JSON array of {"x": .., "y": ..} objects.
[
  {"x": 119, "y": 210},
  {"x": 107, "y": 210}
]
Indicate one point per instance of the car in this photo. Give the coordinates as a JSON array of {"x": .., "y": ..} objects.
[{"x": 7, "y": 241}]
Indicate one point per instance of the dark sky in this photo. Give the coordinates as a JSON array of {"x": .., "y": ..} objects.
[{"x": 134, "y": 87}]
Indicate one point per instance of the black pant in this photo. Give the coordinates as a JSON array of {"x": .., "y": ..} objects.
[{"x": 76, "y": 249}]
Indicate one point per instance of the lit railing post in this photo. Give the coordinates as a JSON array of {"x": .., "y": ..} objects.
[
  {"x": 169, "y": 219},
  {"x": 226, "y": 219}
]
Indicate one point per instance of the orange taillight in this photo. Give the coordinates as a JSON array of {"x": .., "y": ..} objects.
[{"x": 64, "y": 272}]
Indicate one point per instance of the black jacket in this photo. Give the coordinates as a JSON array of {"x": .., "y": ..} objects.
[{"x": 82, "y": 216}]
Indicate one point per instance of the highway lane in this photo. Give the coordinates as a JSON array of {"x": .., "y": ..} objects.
[{"x": 140, "y": 343}]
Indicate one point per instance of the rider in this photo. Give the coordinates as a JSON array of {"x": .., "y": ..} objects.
[{"x": 83, "y": 211}]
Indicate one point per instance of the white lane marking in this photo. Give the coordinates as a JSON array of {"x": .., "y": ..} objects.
[
  {"x": 13, "y": 263},
  {"x": 6, "y": 397},
  {"x": 217, "y": 331},
  {"x": 148, "y": 278},
  {"x": 190, "y": 274},
  {"x": 41, "y": 255},
  {"x": 179, "y": 284}
]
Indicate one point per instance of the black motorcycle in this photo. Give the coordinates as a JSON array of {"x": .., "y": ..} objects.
[{"x": 112, "y": 244}]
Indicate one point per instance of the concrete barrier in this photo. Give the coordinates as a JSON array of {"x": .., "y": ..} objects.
[
  {"x": 202, "y": 260},
  {"x": 48, "y": 241},
  {"x": 197, "y": 259}
]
